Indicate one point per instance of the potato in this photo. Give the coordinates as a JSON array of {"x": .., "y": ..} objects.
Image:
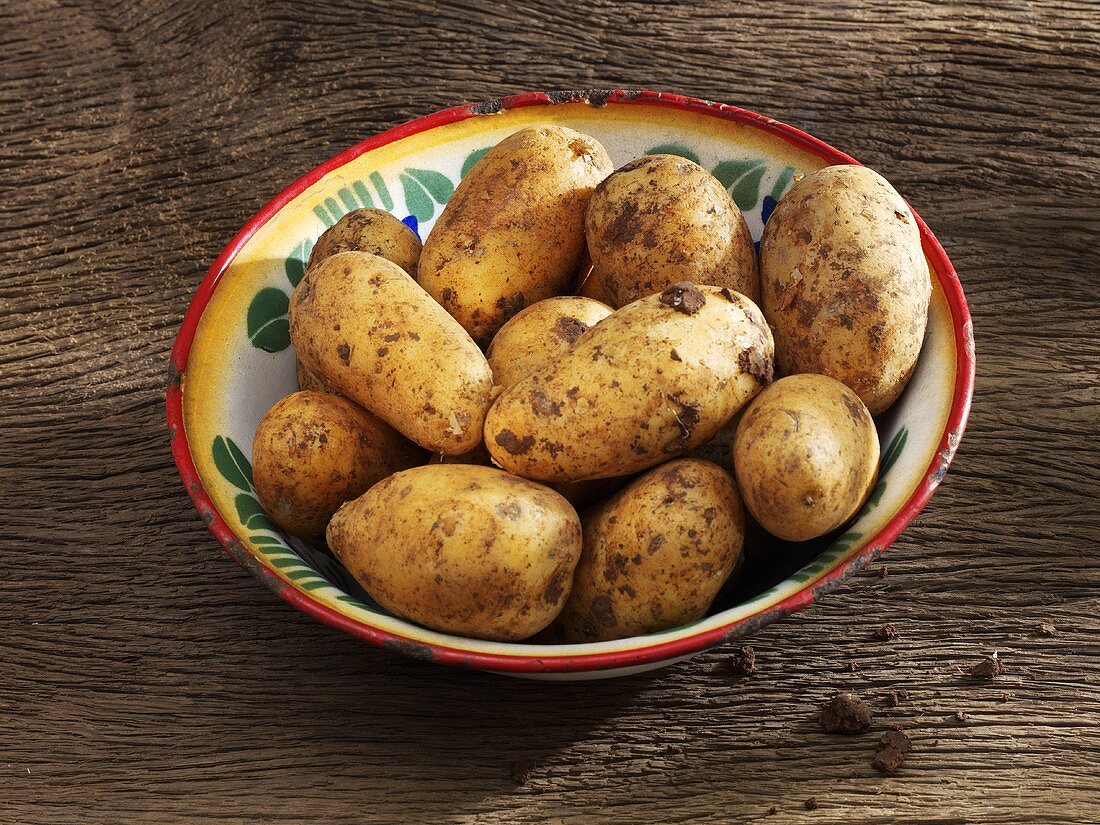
[
  {"x": 541, "y": 334},
  {"x": 806, "y": 456},
  {"x": 513, "y": 232},
  {"x": 592, "y": 287},
  {"x": 662, "y": 219},
  {"x": 656, "y": 554},
  {"x": 365, "y": 326},
  {"x": 845, "y": 283},
  {"x": 478, "y": 455},
  {"x": 362, "y": 230},
  {"x": 578, "y": 493},
  {"x": 462, "y": 549},
  {"x": 309, "y": 380},
  {"x": 369, "y": 230},
  {"x": 646, "y": 384},
  {"x": 314, "y": 451}
]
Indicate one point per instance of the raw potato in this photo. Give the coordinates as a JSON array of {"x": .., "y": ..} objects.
[
  {"x": 592, "y": 287},
  {"x": 578, "y": 493},
  {"x": 648, "y": 383},
  {"x": 369, "y": 230},
  {"x": 309, "y": 380},
  {"x": 806, "y": 456},
  {"x": 513, "y": 232},
  {"x": 362, "y": 230},
  {"x": 662, "y": 219},
  {"x": 365, "y": 326},
  {"x": 314, "y": 451},
  {"x": 656, "y": 554},
  {"x": 541, "y": 334},
  {"x": 845, "y": 283},
  {"x": 462, "y": 549}
]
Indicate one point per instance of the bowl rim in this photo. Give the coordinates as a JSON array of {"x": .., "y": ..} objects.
[{"x": 962, "y": 329}]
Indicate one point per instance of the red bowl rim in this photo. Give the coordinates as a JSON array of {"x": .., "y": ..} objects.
[{"x": 522, "y": 663}]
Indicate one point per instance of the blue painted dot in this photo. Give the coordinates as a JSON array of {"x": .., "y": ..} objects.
[{"x": 413, "y": 224}]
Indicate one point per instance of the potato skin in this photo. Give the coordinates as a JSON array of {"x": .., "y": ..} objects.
[
  {"x": 648, "y": 383},
  {"x": 591, "y": 286},
  {"x": 541, "y": 334},
  {"x": 462, "y": 549},
  {"x": 656, "y": 554},
  {"x": 845, "y": 284},
  {"x": 806, "y": 456},
  {"x": 309, "y": 380},
  {"x": 365, "y": 326},
  {"x": 663, "y": 219},
  {"x": 513, "y": 232},
  {"x": 369, "y": 230},
  {"x": 314, "y": 451}
]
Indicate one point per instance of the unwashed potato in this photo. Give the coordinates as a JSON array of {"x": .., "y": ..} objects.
[
  {"x": 806, "y": 456},
  {"x": 314, "y": 451},
  {"x": 366, "y": 327},
  {"x": 662, "y": 219},
  {"x": 580, "y": 494},
  {"x": 646, "y": 384},
  {"x": 541, "y": 334},
  {"x": 369, "y": 230},
  {"x": 592, "y": 286},
  {"x": 513, "y": 232},
  {"x": 309, "y": 380},
  {"x": 362, "y": 230},
  {"x": 845, "y": 283},
  {"x": 462, "y": 549},
  {"x": 656, "y": 554}
]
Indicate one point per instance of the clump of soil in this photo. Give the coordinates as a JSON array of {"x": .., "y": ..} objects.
[
  {"x": 1047, "y": 629},
  {"x": 988, "y": 668},
  {"x": 743, "y": 661},
  {"x": 960, "y": 716},
  {"x": 846, "y": 713},
  {"x": 885, "y": 633},
  {"x": 890, "y": 752},
  {"x": 896, "y": 697},
  {"x": 811, "y": 803}
]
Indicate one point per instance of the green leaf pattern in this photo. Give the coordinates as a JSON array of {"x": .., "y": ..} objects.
[{"x": 677, "y": 149}]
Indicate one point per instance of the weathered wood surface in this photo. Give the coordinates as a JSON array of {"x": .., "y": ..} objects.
[{"x": 145, "y": 678}]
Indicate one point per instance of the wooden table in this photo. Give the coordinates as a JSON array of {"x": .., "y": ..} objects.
[{"x": 145, "y": 678}]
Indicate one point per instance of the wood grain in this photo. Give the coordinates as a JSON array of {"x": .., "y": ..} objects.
[{"x": 145, "y": 678}]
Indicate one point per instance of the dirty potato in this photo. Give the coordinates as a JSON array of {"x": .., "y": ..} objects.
[
  {"x": 845, "y": 284},
  {"x": 314, "y": 451},
  {"x": 656, "y": 554},
  {"x": 541, "y": 334},
  {"x": 646, "y": 384},
  {"x": 462, "y": 549},
  {"x": 662, "y": 219},
  {"x": 513, "y": 232},
  {"x": 369, "y": 230},
  {"x": 309, "y": 380},
  {"x": 806, "y": 456},
  {"x": 365, "y": 326}
]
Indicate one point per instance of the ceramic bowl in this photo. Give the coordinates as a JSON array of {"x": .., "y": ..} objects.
[{"x": 232, "y": 360}]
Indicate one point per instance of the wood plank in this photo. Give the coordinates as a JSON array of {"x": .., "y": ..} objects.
[{"x": 144, "y": 677}]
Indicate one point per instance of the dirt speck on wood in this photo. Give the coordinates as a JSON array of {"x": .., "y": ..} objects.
[
  {"x": 846, "y": 713},
  {"x": 891, "y": 751},
  {"x": 988, "y": 668},
  {"x": 743, "y": 661}
]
